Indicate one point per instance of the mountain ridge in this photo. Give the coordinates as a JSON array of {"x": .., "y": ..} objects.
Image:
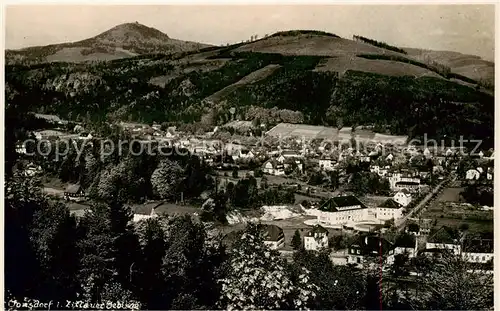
[
  {"x": 121, "y": 41},
  {"x": 294, "y": 76}
]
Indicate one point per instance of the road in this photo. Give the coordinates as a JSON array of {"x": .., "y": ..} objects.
[{"x": 400, "y": 223}]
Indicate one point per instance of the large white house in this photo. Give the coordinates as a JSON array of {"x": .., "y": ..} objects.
[
  {"x": 342, "y": 210},
  {"x": 348, "y": 210},
  {"x": 403, "y": 197},
  {"x": 316, "y": 238}
]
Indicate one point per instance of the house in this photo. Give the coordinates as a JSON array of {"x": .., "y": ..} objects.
[
  {"x": 21, "y": 148},
  {"x": 242, "y": 153},
  {"x": 390, "y": 209},
  {"x": 281, "y": 159},
  {"x": 472, "y": 174},
  {"x": 273, "y": 167},
  {"x": 477, "y": 250},
  {"x": 74, "y": 192},
  {"x": 169, "y": 135},
  {"x": 326, "y": 164},
  {"x": 381, "y": 171},
  {"x": 368, "y": 246},
  {"x": 427, "y": 153},
  {"x": 489, "y": 173},
  {"x": 316, "y": 238},
  {"x": 417, "y": 230},
  {"x": 290, "y": 154},
  {"x": 144, "y": 211},
  {"x": 273, "y": 236},
  {"x": 85, "y": 135},
  {"x": 48, "y": 134},
  {"x": 293, "y": 163},
  {"x": 438, "y": 169},
  {"x": 405, "y": 244},
  {"x": 444, "y": 238},
  {"x": 342, "y": 210},
  {"x": 50, "y": 118},
  {"x": 403, "y": 197},
  {"x": 390, "y": 157},
  {"x": 399, "y": 181}
]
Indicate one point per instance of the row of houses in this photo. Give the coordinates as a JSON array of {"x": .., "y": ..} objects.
[
  {"x": 478, "y": 251},
  {"x": 369, "y": 246}
]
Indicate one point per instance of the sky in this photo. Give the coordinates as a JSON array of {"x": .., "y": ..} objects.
[{"x": 468, "y": 29}]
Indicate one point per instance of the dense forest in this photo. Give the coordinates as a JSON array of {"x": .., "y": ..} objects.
[
  {"x": 177, "y": 262},
  {"x": 121, "y": 90}
]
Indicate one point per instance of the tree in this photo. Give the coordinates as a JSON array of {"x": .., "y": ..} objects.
[
  {"x": 166, "y": 179},
  {"x": 296, "y": 240},
  {"x": 464, "y": 227},
  {"x": 339, "y": 287},
  {"x": 450, "y": 285},
  {"x": 196, "y": 180},
  {"x": 191, "y": 266},
  {"x": 110, "y": 248},
  {"x": 22, "y": 266},
  {"x": 264, "y": 183},
  {"x": 121, "y": 181},
  {"x": 152, "y": 238},
  {"x": 42, "y": 259},
  {"x": 257, "y": 278}
]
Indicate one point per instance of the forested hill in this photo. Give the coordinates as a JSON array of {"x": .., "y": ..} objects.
[{"x": 296, "y": 76}]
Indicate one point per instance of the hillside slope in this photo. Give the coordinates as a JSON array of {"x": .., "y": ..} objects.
[
  {"x": 125, "y": 40},
  {"x": 343, "y": 83}
]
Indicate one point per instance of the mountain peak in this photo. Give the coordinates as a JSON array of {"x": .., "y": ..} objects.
[{"x": 132, "y": 33}]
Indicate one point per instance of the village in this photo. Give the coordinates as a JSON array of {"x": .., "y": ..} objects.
[{"x": 416, "y": 207}]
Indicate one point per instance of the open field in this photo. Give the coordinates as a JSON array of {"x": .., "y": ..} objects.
[
  {"x": 343, "y": 64},
  {"x": 450, "y": 195},
  {"x": 455, "y": 214},
  {"x": 302, "y": 131}
]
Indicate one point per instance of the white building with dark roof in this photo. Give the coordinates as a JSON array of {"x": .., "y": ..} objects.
[
  {"x": 343, "y": 210},
  {"x": 316, "y": 238},
  {"x": 389, "y": 209},
  {"x": 367, "y": 246},
  {"x": 403, "y": 197}
]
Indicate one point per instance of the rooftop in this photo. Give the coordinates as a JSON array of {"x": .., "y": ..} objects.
[
  {"x": 272, "y": 232},
  {"x": 317, "y": 229},
  {"x": 341, "y": 203},
  {"x": 444, "y": 235},
  {"x": 390, "y": 203},
  {"x": 372, "y": 245},
  {"x": 406, "y": 241}
]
